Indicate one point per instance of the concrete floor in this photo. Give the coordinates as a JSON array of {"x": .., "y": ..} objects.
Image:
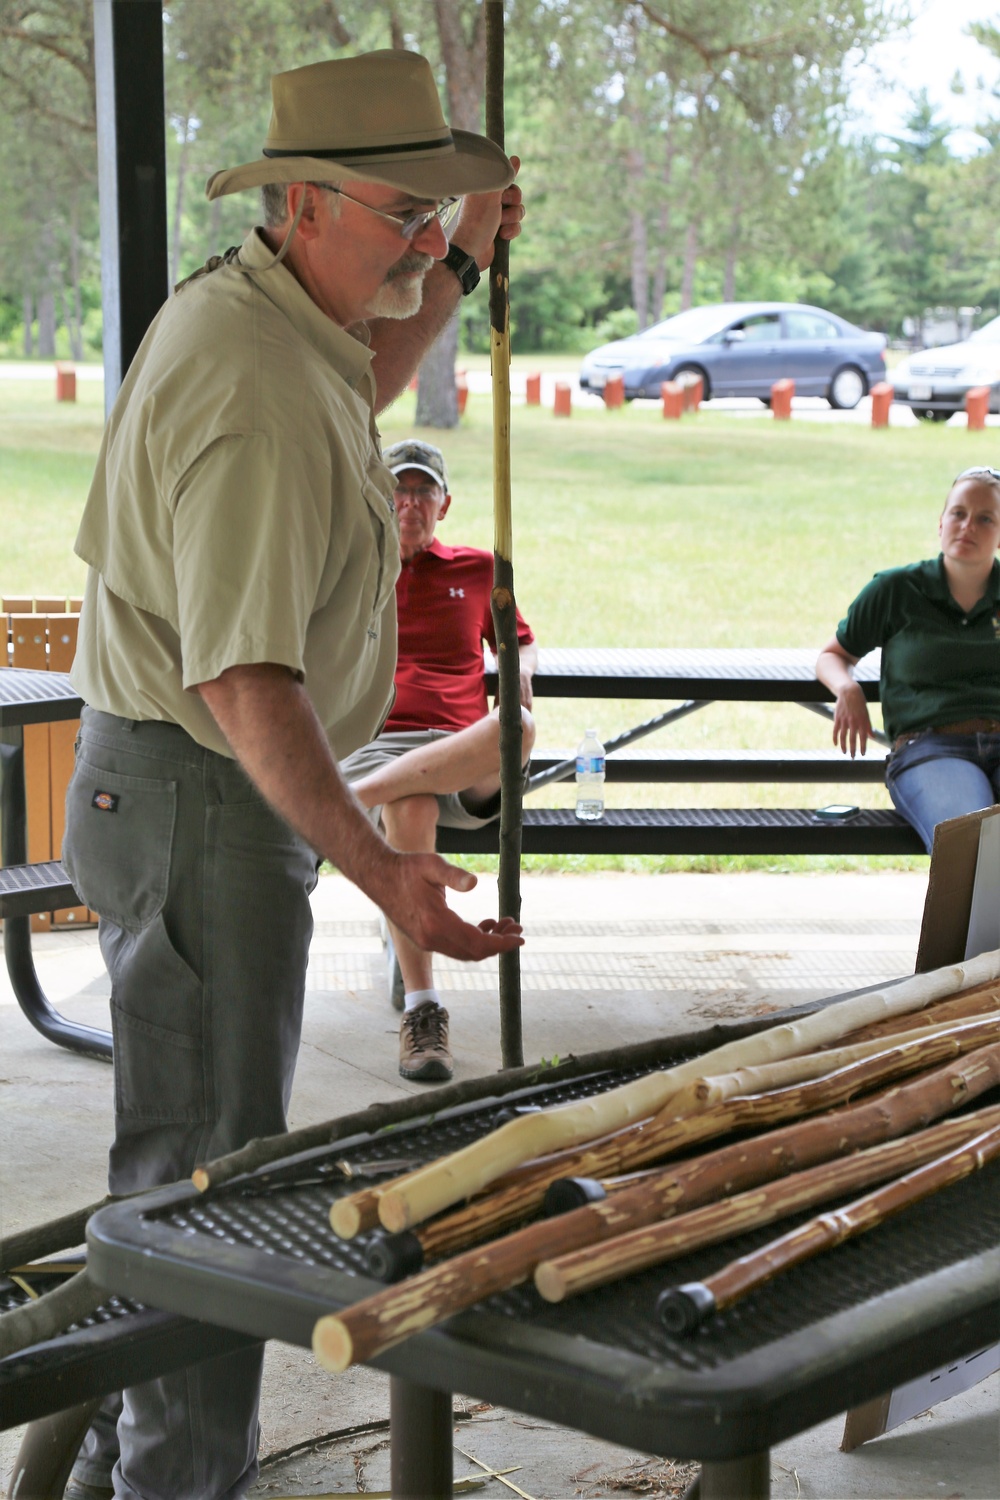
[{"x": 610, "y": 959}]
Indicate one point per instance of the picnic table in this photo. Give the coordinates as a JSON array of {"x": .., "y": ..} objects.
[
  {"x": 257, "y": 1256},
  {"x": 33, "y": 697}
]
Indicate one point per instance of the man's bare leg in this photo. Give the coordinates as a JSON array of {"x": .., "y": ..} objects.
[
  {"x": 411, "y": 826},
  {"x": 467, "y": 761}
]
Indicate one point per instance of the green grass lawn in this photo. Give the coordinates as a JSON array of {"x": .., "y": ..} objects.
[{"x": 720, "y": 530}]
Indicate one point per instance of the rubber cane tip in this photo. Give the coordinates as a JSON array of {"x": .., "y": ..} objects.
[
  {"x": 390, "y": 1257},
  {"x": 332, "y": 1344},
  {"x": 345, "y": 1220},
  {"x": 514, "y": 1112},
  {"x": 682, "y": 1309},
  {"x": 567, "y": 1193}
]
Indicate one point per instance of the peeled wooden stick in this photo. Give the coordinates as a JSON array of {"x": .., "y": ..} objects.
[
  {"x": 791, "y": 1070},
  {"x": 656, "y": 1140},
  {"x": 378, "y": 1323},
  {"x": 468, "y": 1171},
  {"x": 971, "y": 1002},
  {"x": 683, "y": 1308},
  {"x": 568, "y": 1275}
]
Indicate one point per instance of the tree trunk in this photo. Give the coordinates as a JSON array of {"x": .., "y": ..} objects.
[
  {"x": 47, "y": 324},
  {"x": 729, "y": 279},
  {"x": 175, "y": 239},
  {"x": 437, "y": 398},
  {"x": 690, "y": 262},
  {"x": 465, "y": 73},
  {"x": 75, "y": 325},
  {"x": 662, "y": 235},
  {"x": 640, "y": 266},
  {"x": 28, "y": 303}
]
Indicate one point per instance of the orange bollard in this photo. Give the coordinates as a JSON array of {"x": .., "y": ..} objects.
[
  {"x": 461, "y": 390},
  {"x": 414, "y": 383},
  {"x": 614, "y": 390},
  {"x": 693, "y": 386},
  {"x": 672, "y": 395},
  {"x": 564, "y": 400},
  {"x": 882, "y": 394},
  {"x": 65, "y": 383},
  {"x": 977, "y": 404},
  {"x": 782, "y": 392},
  {"x": 533, "y": 391}
]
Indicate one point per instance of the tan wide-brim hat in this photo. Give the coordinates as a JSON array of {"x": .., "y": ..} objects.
[{"x": 373, "y": 118}]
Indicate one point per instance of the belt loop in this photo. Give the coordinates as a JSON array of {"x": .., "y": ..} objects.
[{"x": 129, "y": 724}]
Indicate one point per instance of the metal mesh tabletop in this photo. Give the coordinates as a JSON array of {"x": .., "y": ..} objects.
[
  {"x": 29, "y": 697},
  {"x": 258, "y": 1256},
  {"x": 742, "y": 673}
]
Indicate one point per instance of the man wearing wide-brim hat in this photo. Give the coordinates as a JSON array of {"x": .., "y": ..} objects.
[{"x": 238, "y": 639}]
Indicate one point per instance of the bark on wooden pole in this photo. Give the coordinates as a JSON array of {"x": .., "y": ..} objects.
[{"x": 504, "y": 611}]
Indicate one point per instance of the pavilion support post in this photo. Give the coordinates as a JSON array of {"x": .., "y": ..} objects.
[
  {"x": 503, "y": 605},
  {"x": 132, "y": 176}
]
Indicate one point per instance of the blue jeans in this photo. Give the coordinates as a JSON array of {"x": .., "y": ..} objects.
[{"x": 933, "y": 776}]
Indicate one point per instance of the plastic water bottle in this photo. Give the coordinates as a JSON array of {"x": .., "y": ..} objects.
[{"x": 590, "y": 778}]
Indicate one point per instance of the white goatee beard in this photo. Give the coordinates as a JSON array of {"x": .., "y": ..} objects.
[{"x": 401, "y": 294}]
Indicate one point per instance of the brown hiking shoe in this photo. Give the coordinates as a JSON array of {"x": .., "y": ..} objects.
[{"x": 423, "y": 1044}]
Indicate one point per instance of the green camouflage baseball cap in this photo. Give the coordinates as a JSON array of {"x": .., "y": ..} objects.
[{"x": 413, "y": 454}]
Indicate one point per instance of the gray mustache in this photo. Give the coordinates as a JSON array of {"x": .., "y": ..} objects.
[{"x": 413, "y": 261}]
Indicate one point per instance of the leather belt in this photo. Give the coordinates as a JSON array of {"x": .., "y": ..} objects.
[{"x": 967, "y": 726}]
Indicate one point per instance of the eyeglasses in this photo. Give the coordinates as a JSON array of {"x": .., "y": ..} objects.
[
  {"x": 419, "y": 492},
  {"x": 410, "y": 225},
  {"x": 993, "y": 474}
]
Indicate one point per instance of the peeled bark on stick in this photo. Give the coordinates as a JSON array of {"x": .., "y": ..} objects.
[
  {"x": 378, "y": 1323},
  {"x": 568, "y": 1275},
  {"x": 468, "y": 1171},
  {"x": 799, "y": 1144},
  {"x": 683, "y": 1308},
  {"x": 972, "y": 1002},
  {"x": 705, "y": 1092},
  {"x": 658, "y": 1139}
]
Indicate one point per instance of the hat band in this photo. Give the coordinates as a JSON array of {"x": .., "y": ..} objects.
[{"x": 351, "y": 153}]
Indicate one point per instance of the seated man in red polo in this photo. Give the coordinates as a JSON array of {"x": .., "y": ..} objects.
[{"x": 437, "y": 759}]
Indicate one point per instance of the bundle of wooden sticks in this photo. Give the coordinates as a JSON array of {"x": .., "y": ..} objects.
[{"x": 862, "y": 1093}]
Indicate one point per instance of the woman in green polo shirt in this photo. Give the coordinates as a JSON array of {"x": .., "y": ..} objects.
[{"x": 938, "y": 626}]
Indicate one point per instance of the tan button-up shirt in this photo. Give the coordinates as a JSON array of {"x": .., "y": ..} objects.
[{"x": 241, "y": 513}]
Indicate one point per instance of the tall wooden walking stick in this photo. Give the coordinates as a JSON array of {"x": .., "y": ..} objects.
[{"x": 504, "y": 611}]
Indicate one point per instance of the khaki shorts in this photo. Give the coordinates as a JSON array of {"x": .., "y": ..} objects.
[{"x": 452, "y": 811}]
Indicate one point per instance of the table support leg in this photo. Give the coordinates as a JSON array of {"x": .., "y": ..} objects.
[
  {"x": 30, "y": 996},
  {"x": 746, "y": 1478},
  {"x": 48, "y": 1452},
  {"x": 421, "y": 1432}
]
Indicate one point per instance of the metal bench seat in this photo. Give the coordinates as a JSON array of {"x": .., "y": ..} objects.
[
  {"x": 730, "y": 765},
  {"x": 695, "y": 830},
  {"x": 29, "y": 888}
]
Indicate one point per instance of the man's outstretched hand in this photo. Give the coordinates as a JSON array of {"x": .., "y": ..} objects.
[{"x": 414, "y": 899}]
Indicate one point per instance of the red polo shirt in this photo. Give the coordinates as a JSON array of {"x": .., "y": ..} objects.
[{"x": 443, "y": 604}]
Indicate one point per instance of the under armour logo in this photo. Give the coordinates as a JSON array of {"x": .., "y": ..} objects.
[{"x": 457, "y": 593}]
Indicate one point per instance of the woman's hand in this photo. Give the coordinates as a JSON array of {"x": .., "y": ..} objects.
[{"x": 851, "y": 725}]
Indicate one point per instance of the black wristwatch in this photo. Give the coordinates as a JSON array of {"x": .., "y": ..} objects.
[{"x": 464, "y": 267}]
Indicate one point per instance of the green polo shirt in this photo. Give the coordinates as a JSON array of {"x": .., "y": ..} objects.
[{"x": 939, "y": 665}]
